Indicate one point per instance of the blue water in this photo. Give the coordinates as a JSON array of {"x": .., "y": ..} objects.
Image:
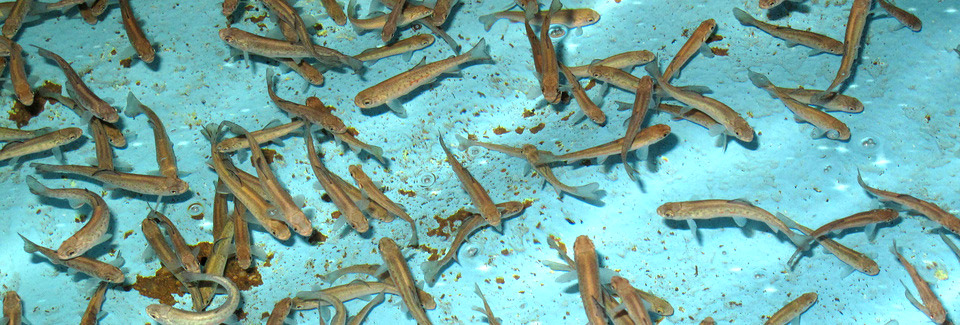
[{"x": 904, "y": 141}]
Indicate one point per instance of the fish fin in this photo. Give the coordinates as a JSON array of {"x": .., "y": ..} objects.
[
  {"x": 488, "y": 21},
  {"x": 814, "y": 52},
  {"x": 606, "y": 274},
  {"x": 716, "y": 130},
  {"x": 29, "y": 246},
  {"x": 463, "y": 143},
  {"x": 759, "y": 80},
  {"x": 134, "y": 106},
  {"x": 740, "y": 221},
  {"x": 578, "y": 31},
  {"x": 363, "y": 204},
  {"x": 743, "y": 17},
  {"x": 118, "y": 261},
  {"x": 258, "y": 252},
  {"x": 871, "y": 231},
  {"x": 622, "y": 106},
  {"x": 845, "y": 271},
  {"x": 591, "y": 192},
  {"x": 705, "y": 50},
  {"x": 567, "y": 277},
  {"x": 57, "y": 152},
  {"x": 397, "y": 108},
  {"x": 430, "y": 270},
  {"x": 913, "y": 300},
  {"x": 557, "y": 266},
  {"x": 103, "y": 239},
  {"x": 800, "y": 240},
  {"x": 692, "y": 224},
  {"x": 480, "y": 51},
  {"x": 406, "y": 56}
]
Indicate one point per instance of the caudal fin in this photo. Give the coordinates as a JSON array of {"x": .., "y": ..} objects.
[
  {"x": 134, "y": 106},
  {"x": 430, "y": 270},
  {"x": 590, "y": 192},
  {"x": 480, "y": 51},
  {"x": 743, "y": 17},
  {"x": 488, "y": 20}
]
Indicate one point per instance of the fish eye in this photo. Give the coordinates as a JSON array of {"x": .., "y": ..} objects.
[{"x": 366, "y": 102}]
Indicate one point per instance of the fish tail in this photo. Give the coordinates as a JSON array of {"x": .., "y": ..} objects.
[
  {"x": 134, "y": 106},
  {"x": 430, "y": 270},
  {"x": 759, "y": 80},
  {"x": 590, "y": 192},
  {"x": 43, "y": 168},
  {"x": 29, "y": 246},
  {"x": 653, "y": 68},
  {"x": 744, "y": 18},
  {"x": 35, "y": 186},
  {"x": 480, "y": 51},
  {"x": 463, "y": 143},
  {"x": 801, "y": 240},
  {"x": 45, "y": 53},
  {"x": 488, "y": 20}
]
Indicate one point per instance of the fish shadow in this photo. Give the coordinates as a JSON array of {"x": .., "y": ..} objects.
[
  {"x": 786, "y": 8},
  {"x": 748, "y": 229}
]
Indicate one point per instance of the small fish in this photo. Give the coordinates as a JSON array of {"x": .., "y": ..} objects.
[
  {"x": 79, "y": 91},
  {"x": 401, "y": 276},
  {"x": 793, "y": 309},
  {"x": 280, "y": 312},
  {"x": 85, "y": 265},
  {"x": 18, "y": 76},
  {"x": 696, "y": 43},
  {"x": 631, "y": 301},
  {"x": 474, "y": 222},
  {"x": 464, "y": 144},
  {"x": 291, "y": 212},
  {"x": 646, "y": 137},
  {"x": 350, "y": 213},
  {"x": 570, "y": 18},
  {"x": 267, "y": 134},
  {"x": 588, "y": 279},
  {"x": 951, "y": 244},
  {"x": 535, "y": 49},
  {"x": 854, "y": 259},
  {"x": 165, "y": 314},
  {"x": 315, "y": 115},
  {"x": 861, "y": 219},
  {"x": 387, "y": 91},
  {"x": 12, "y": 308},
  {"x": 93, "y": 232},
  {"x": 11, "y": 25},
  {"x": 625, "y": 61},
  {"x": 589, "y": 192},
  {"x": 825, "y": 124},
  {"x": 931, "y": 305},
  {"x": 309, "y": 73},
  {"x": 852, "y": 40},
  {"x": 275, "y": 48},
  {"x": 292, "y": 25},
  {"x": 440, "y": 12},
  {"x": 93, "y": 307},
  {"x": 362, "y": 314},
  {"x": 241, "y": 236},
  {"x": 135, "y": 34},
  {"x": 52, "y": 140},
  {"x": 835, "y": 102},
  {"x": 358, "y": 289},
  {"x": 739, "y": 210},
  {"x": 405, "y": 46},
  {"x": 818, "y": 42},
  {"x": 767, "y": 4},
  {"x": 390, "y": 26},
  {"x": 139, "y": 183},
  {"x": 930, "y": 210},
  {"x": 91, "y": 10},
  {"x": 8, "y": 134},
  {"x": 903, "y": 16},
  {"x": 478, "y": 195},
  {"x": 733, "y": 123},
  {"x": 549, "y": 75},
  {"x": 686, "y": 113},
  {"x": 641, "y": 103},
  {"x": 358, "y": 146},
  {"x": 335, "y": 11},
  {"x": 114, "y": 135},
  {"x": 187, "y": 258},
  {"x": 166, "y": 159},
  {"x": 216, "y": 263},
  {"x": 657, "y": 304},
  {"x": 102, "y": 142},
  {"x": 168, "y": 258},
  {"x": 410, "y": 14},
  {"x": 491, "y": 319},
  {"x": 587, "y": 106},
  {"x": 373, "y": 192}
]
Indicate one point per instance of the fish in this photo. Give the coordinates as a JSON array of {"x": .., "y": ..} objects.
[
  {"x": 400, "y": 274},
  {"x": 79, "y": 91},
  {"x": 626, "y": 81},
  {"x": 264, "y": 213},
  {"x": 103, "y": 148},
  {"x": 641, "y": 103},
  {"x": 114, "y": 135},
  {"x": 93, "y": 307},
  {"x": 292, "y": 25},
  {"x": 695, "y": 43},
  {"x": 478, "y": 195},
  {"x": 168, "y": 258},
  {"x": 14, "y": 19},
  {"x": 82, "y": 264},
  {"x": 837, "y": 102},
  {"x": 309, "y": 73},
  {"x": 275, "y": 48},
  {"x": 341, "y": 316},
  {"x": 390, "y": 26},
  {"x": 931, "y": 306},
  {"x": 362, "y": 314},
  {"x": 91, "y": 10},
  {"x": 241, "y": 236},
  {"x": 646, "y": 137},
  {"x": 349, "y": 211},
  {"x": 951, "y": 244},
  {"x": 48, "y": 141},
  {"x": 358, "y": 146},
  {"x": 410, "y": 14},
  {"x": 861, "y": 219},
  {"x": 464, "y": 144},
  {"x": 738, "y": 209},
  {"x": 229, "y": 6},
  {"x": 18, "y": 76},
  {"x": 135, "y": 34},
  {"x": 216, "y": 263},
  {"x": 587, "y": 106},
  {"x": 733, "y": 123},
  {"x": 570, "y": 18},
  {"x": 440, "y": 12},
  {"x": 491, "y": 319},
  {"x": 472, "y": 223},
  {"x": 166, "y": 159},
  {"x": 852, "y": 40},
  {"x": 315, "y": 115},
  {"x": 657, "y": 304},
  {"x": 138, "y": 183},
  {"x": 689, "y": 114},
  {"x": 373, "y": 193},
  {"x": 335, "y": 11},
  {"x": 631, "y": 301},
  {"x": 291, "y": 212},
  {"x": 187, "y": 258},
  {"x": 625, "y": 60},
  {"x": 818, "y": 42},
  {"x": 269, "y": 133},
  {"x": 165, "y": 314},
  {"x": 12, "y": 308},
  {"x": 825, "y": 124},
  {"x": 358, "y": 289},
  {"x": 589, "y": 192},
  {"x": 387, "y": 91},
  {"x": 904, "y": 17},
  {"x": 767, "y": 4},
  {"x": 588, "y": 279},
  {"x": 93, "y": 232},
  {"x": 8, "y": 134},
  {"x": 405, "y": 46},
  {"x": 535, "y": 49},
  {"x": 854, "y": 259},
  {"x": 280, "y": 312},
  {"x": 793, "y": 309},
  {"x": 930, "y": 210},
  {"x": 549, "y": 75}
]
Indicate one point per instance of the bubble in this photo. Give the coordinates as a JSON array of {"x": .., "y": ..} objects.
[
  {"x": 426, "y": 179},
  {"x": 195, "y": 209},
  {"x": 474, "y": 151},
  {"x": 472, "y": 251},
  {"x": 557, "y": 31},
  {"x": 868, "y": 142}
]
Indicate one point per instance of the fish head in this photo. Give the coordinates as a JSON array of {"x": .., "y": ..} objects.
[
  {"x": 586, "y": 17},
  {"x": 426, "y": 40},
  {"x": 767, "y": 4},
  {"x": 69, "y": 249},
  {"x": 669, "y": 210},
  {"x": 71, "y": 134},
  {"x": 176, "y": 186},
  {"x": 743, "y": 132},
  {"x": 226, "y": 35},
  {"x": 333, "y": 124},
  {"x": 551, "y": 94},
  {"x": 364, "y": 100},
  {"x": 159, "y": 313}
]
